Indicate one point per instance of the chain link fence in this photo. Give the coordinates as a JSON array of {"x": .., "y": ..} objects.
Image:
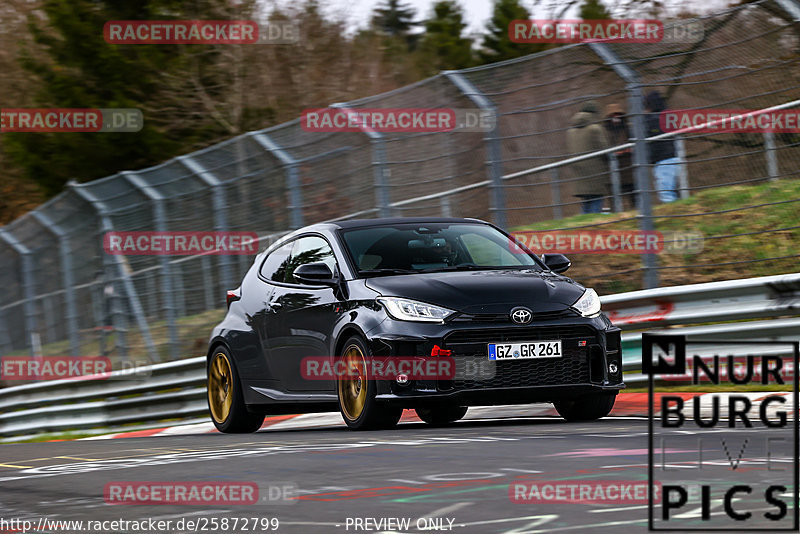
[{"x": 62, "y": 294}]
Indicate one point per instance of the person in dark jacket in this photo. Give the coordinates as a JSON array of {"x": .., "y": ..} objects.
[
  {"x": 586, "y": 135},
  {"x": 662, "y": 152},
  {"x": 618, "y": 134}
]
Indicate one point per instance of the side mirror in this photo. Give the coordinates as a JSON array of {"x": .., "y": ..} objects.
[
  {"x": 558, "y": 263},
  {"x": 315, "y": 274}
]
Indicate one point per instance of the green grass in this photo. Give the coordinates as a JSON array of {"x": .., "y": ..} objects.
[{"x": 598, "y": 270}]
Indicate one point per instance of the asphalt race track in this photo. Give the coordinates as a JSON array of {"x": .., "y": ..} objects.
[{"x": 459, "y": 476}]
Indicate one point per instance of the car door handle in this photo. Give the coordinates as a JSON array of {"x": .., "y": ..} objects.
[{"x": 276, "y": 306}]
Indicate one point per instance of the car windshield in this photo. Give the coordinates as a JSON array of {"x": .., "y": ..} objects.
[{"x": 412, "y": 248}]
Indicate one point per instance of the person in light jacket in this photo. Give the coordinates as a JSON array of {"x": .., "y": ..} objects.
[
  {"x": 662, "y": 152},
  {"x": 585, "y": 135}
]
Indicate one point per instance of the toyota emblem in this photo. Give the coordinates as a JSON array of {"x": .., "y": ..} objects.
[{"x": 521, "y": 315}]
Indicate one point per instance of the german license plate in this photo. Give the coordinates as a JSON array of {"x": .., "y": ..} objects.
[{"x": 525, "y": 350}]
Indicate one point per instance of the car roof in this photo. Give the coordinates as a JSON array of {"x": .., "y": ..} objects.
[{"x": 366, "y": 223}]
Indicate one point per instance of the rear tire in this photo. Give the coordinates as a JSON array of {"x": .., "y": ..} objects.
[
  {"x": 356, "y": 392},
  {"x": 587, "y": 407},
  {"x": 225, "y": 399},
  {"x": 441, "y": 415}
]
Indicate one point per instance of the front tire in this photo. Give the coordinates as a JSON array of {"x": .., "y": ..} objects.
[
  {"x": 356, "y": 392},
  {"x": 587, "y": 407},
  {"x": 441, "y": 415},
  {"x": 225, "y": 399}
]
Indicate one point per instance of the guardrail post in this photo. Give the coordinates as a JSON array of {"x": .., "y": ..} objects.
[
  {"x": 160, "y": 224},
  {"x": 772, "y": 156},
  {"x": 492, "y": 139},
  {"x": 683, "y": 168},
  {"x": 616, "y": 188},
  {"x": 67, "y": 279},
  {"x": 381, "y": 172},
  {"x": 555, "y": 188},
  {"x": 220, "y": 221},
  {"x": 29, "y": 291},
  {"x": 295, "y": 207},
  {"x": 112, "y": 259},
  {"x": 641, "y": 168}
]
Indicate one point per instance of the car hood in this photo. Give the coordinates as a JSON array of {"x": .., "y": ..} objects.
[{"x": 488, "y": 291}]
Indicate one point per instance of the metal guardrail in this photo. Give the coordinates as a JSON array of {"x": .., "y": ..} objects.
[{"x": 176, "y": 390}]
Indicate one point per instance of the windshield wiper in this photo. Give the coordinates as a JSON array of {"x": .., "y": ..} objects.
[
  {"x": 385, "y": 271},
  {"x": 459, "y": 267}
]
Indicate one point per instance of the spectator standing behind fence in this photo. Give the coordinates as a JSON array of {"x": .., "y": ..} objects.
[
  {"x": 618, "y": 134},
  {"x": 662, "y": 152},
  {"x": 586, "y": 135}
]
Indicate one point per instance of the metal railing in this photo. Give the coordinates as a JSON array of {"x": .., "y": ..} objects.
[{"x": 176, "y": 390}]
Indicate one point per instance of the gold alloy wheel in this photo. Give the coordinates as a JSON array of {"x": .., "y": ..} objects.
[
  {"x": 352, "y": 384},
  {"x": 220, "y": 387}
]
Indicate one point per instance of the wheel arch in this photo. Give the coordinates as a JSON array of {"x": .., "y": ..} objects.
[
  {"x": 215, "y": 343},
  {"x": 346, "y": 333}
]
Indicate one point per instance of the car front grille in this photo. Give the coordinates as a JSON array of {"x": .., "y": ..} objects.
[{"x": 475, "y": 371}]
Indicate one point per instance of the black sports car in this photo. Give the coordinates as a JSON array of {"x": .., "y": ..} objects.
[{"x": 503, "y": 323}]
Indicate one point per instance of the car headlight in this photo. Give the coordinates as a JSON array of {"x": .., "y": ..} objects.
[
  {"x": 412, "y": 310},
  {"x": 588, "y": 304}
]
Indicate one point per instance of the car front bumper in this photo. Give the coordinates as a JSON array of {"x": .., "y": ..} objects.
[{"x": 590, "y": 346}]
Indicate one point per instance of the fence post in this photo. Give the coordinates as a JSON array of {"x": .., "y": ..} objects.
[
  {"x": 29, "y": 291},
  {"x": 180, "y": 290},
  {"x": 792, "y": 7},
  {"x": 5, "y": 337},
  {"x": 616, "y": 188},
  {"x": 152, "y": 293},
  {"x": 295, "y": 207},
  {"x": 160, "y": 224},
  {"x": 641, "y": 169},
  {"x": 109, "y": 261},
  {"x": 381, "y": 171},
  {"x": 219, "y": 205},
  {"x": 492, "y": 139},
  {"x": 444, "y": 202},
  {"x": 772, "y": 156},
  {"x": 683, "y": 168},
  {"x": 67, "y": 279},
  {"x": 555, "y": 187}
]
